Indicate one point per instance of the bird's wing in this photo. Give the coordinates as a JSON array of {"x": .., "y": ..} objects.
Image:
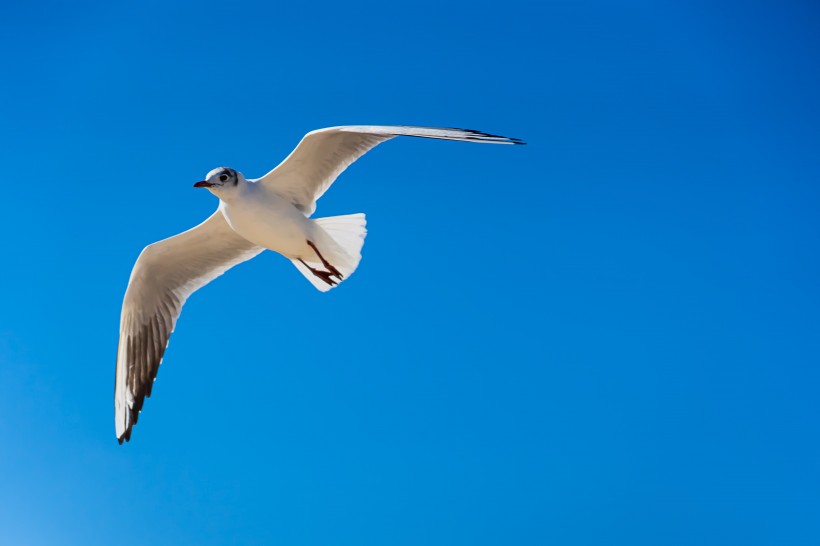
[
  {"x": 323, "y": 154},
  {"x": 166, "y": 273}
]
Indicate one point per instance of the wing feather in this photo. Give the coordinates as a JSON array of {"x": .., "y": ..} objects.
[
  {"x": 165, "y": 275},
  {"x": 322, "y": 155}
]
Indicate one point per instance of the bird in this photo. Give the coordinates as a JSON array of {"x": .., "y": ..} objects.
[{"x": 268, "y": 213}]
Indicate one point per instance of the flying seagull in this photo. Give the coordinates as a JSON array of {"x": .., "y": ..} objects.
[{"x": 272, "y": 212}]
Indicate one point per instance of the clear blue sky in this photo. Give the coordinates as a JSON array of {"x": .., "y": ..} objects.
[{"x": 609, "y": 336}]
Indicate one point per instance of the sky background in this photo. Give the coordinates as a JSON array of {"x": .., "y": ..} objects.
[{"x": 609, "y": 336}]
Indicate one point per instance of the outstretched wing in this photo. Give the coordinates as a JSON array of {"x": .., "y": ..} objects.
[
  {"x": 166, "y": 273},
  {"x": 324, "y": 154}
]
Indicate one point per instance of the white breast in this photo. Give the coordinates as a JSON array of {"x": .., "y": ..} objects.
[{"x": 266, "y": 219}]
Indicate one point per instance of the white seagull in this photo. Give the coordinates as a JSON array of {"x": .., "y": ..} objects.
[{"x": 272, "y": 212}]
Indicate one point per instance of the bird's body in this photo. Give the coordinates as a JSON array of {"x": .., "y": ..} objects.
[
  {"x": 273, "y": 213},
  {"x": 267, "y": 219}
]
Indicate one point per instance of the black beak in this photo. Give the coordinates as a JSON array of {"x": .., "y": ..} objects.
[{"x": 203, "y": 184}]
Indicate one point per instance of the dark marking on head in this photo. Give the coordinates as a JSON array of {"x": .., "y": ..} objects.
[{"x": 231, "y": 175}]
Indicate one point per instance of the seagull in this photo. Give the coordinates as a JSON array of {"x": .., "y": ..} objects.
[{"x": 268, "y": 213}]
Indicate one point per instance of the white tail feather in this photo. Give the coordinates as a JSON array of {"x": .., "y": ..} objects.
[{"x": 340, "y": 241}]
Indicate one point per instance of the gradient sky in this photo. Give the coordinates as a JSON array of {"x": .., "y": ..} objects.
[{"x": 609, "y": 336}]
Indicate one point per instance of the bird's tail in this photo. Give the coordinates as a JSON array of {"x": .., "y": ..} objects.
[{"x": 340, "y": 240}]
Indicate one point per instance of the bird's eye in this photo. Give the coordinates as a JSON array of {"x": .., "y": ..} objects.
[{"x": 223, "y": 177}]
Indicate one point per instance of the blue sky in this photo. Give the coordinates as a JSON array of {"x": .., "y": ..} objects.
[{"x": 609, "y": 336}]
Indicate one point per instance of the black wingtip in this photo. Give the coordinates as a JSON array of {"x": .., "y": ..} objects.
[
  {"x": 126, "y": 436},
  {"x": 516, "y": 141},
  {"x": 496, "y": 138}
]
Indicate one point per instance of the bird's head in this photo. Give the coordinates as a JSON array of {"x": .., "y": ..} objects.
[{"x": 221, "y": 180}]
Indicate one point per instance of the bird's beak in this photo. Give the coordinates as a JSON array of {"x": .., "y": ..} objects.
[{"x": 203, "y": 184}]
